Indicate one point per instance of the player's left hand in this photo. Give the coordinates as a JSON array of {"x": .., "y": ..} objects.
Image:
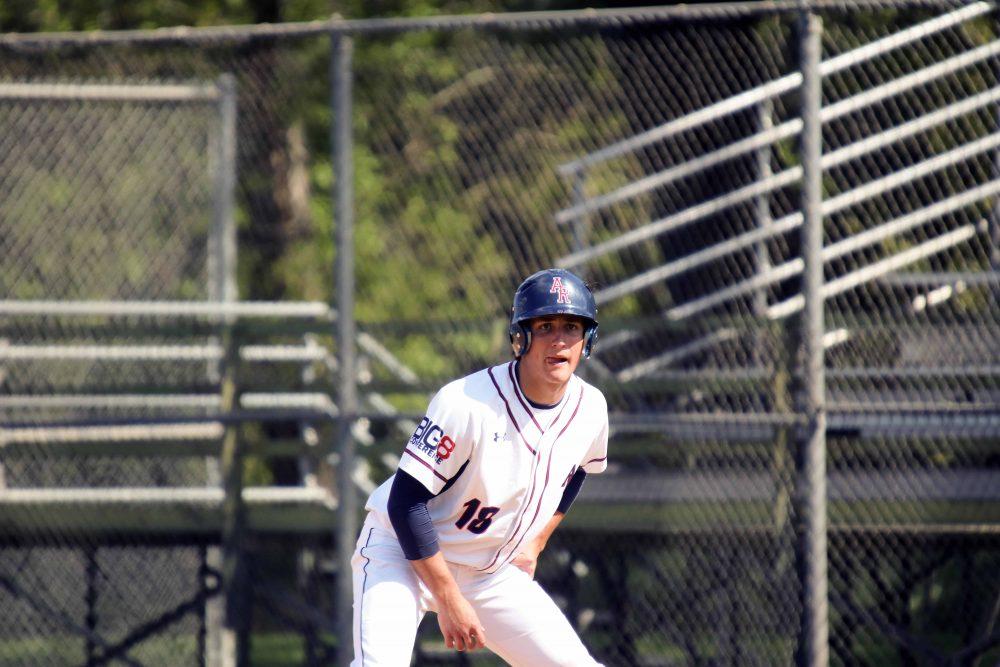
[{"x": 526, "y": 560}]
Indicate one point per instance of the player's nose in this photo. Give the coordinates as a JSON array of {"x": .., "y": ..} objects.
[{"x": 559, "y": 340}]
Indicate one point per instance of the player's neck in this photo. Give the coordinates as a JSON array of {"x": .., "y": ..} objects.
[{"x": 539, "y": 393}]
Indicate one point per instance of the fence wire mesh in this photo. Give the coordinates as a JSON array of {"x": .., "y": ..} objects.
[{"x": 659, "y": 159}]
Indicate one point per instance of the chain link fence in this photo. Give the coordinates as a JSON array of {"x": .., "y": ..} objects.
[
  {"x": 121, "y": 215},
  {"x": 168, "y": 337}
]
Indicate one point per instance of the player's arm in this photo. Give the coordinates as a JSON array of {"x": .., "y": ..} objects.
[
  {"x": 527, "y": 558},
  {"x": 407, "y": 508}
]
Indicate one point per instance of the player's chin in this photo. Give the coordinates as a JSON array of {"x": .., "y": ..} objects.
[{"x": 559, "y": 375}]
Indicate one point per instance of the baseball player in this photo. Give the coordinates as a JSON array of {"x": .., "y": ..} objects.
[{"x": 486, "y": 477}]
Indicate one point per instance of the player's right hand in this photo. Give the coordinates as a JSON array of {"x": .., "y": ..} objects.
[{"x": 459, "y": 624}]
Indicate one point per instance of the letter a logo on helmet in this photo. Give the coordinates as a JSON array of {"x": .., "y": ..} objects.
[
  {"x": 552, "y": 292},
  {"x": 557, "y": 288}
]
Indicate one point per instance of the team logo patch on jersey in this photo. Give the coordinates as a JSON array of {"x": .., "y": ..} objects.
[
  {"x": 561, "y": 290},
  {"x": 430, "y": 439}
]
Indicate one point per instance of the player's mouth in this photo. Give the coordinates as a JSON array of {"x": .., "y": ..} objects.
[{"x": 556, "y": 361}]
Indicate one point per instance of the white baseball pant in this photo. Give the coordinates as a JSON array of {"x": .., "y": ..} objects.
[{"x": 523, "y": 625}]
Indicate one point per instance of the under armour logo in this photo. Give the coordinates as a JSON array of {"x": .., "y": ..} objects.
[{"x": 558, "y": 288}]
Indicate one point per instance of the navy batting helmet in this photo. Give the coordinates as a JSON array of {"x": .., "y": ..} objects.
[{"x": 552, "y": 292}]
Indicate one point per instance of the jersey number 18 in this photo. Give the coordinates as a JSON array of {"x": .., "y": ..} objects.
[{"x": 481, "y": 522}]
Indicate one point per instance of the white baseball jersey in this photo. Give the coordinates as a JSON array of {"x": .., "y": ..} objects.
[{"x": 503, "y": 464}]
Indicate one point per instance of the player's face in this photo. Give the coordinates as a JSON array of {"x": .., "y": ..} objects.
[{"x": 554, "y": 354}]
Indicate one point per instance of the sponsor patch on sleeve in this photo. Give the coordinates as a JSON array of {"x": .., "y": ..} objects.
[{"x": 431, "y": 440}]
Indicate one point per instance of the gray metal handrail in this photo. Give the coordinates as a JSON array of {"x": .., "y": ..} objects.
[
  {"x": 211, "y": 310},
  {"x": 768, "y": 275},
  {"x": 90, "y": 92},
  {"x": 830, "y": 160},
  {"x": 165, "y": 495},
  {"x": 777, "y": 87},
  {"x": 251, "y": 353},
  {"x": 794, "y": 220},
  {"x": 789, "y": 128},
  {"x": 793, "y": 267},
  {"x": 880, "y": 268}
]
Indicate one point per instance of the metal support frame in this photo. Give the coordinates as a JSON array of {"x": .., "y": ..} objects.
[
  {"x": 61, "y": 618},
  {"x": 888, "y": 614},
  {"x": 234, "y": 636},
  {"x": 98, "y": 651},
  {"x": 204, "y": 584},
  {"x": 144, "y": 631},
  {"x": 341, "y": 84},
  {"x": 90, "y": 599},
  {"x": 300, "y": 612},
  {"x": 811, "y": 494},
  {"x": 222, "y": 275},
  {"x": 235, "y": 580}
]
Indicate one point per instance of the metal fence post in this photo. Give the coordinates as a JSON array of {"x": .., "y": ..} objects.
[
  {"x": 307, "y": 556},
  {"x": 222, "y": 259},
  {"x": 235, "y": 582},
  {"x": 234, "y": 640},
  {"x": 811, "y": 496},
  {"x": 342, "y": 49}
]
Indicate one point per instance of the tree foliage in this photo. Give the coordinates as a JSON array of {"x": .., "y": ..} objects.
[{"x": 407, "y": 217}]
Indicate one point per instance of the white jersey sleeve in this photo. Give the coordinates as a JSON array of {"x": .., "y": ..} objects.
[
  {"x": 443, "y": 440},
  {"x": 596, "y": 459}
]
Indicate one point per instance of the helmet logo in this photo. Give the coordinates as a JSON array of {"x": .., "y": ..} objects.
[{"x": 558, "y": 288}]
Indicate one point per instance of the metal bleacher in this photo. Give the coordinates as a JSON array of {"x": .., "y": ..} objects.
[
  {"x": 872, "y": 403},
  {"x": 146, "y": 455},
  {"x": 188, "y": 421},
  {"x": 165, "y": 420},
  {"x": 116, "y": 413}
]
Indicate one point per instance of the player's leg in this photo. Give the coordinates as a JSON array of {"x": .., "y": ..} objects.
[
  {"x": 387, "y": 601},
  {"x": 524, "y": 626}
]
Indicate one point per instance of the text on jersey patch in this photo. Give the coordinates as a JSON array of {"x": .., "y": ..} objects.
[{"x": 432, "y": 441}]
